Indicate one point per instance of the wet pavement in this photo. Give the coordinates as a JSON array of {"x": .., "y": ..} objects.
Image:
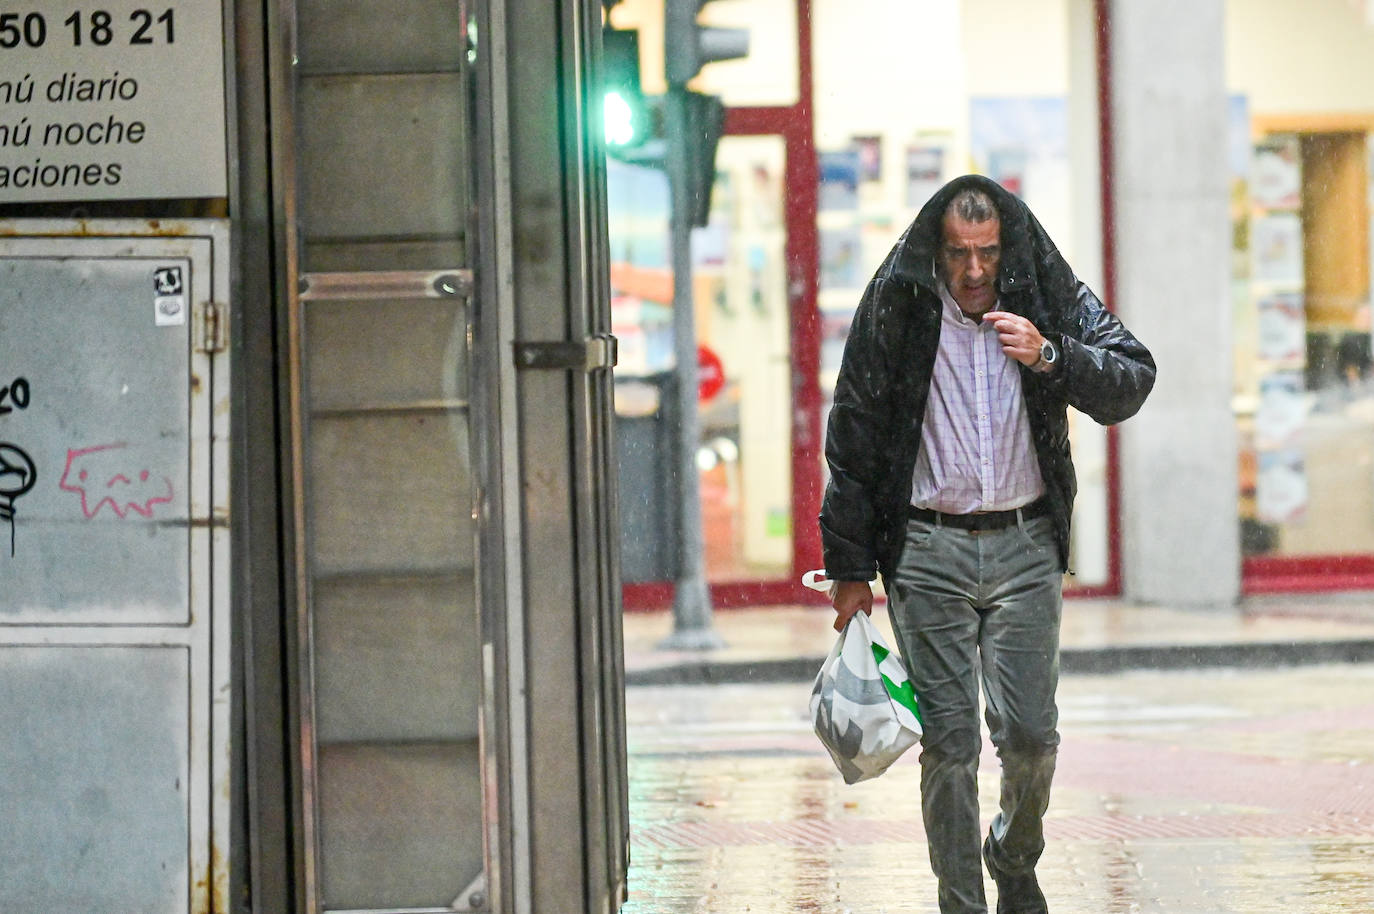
[
  {"x": 787, "y": 643},
  {"x": 1204, "y": 790}
]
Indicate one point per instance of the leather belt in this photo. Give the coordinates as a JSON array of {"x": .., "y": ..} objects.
[{"x": 983, "y": 520}]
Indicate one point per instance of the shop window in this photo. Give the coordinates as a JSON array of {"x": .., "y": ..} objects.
[
  {"x": 1005, "y": 90},
  {"x": 1302, "y": 112}
]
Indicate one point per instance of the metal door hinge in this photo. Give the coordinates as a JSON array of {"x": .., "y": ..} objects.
[
  {"x": 591, "y": 354},
  {"x": 214, "y": 328}
]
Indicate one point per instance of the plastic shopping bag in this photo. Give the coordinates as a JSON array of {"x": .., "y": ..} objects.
[{"x": 863, "y": 706}]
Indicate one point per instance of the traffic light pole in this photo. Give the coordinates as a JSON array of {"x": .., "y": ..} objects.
[{"x": 692, "y": 614}]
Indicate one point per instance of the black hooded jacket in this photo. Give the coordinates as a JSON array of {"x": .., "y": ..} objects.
[{"x": 880, "y": 396}]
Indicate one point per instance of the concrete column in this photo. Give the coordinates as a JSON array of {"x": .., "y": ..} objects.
[{"x": 1180, "y": 533}]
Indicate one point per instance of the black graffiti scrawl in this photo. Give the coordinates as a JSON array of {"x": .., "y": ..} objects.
[
  {"x": 17, "y": 472},
  {"x": 17, "y": 476}
]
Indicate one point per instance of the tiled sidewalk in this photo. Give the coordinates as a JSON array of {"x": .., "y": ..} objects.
[
  {"x": 1210, "y": 791},
  {"x": 781, "y": 643}
]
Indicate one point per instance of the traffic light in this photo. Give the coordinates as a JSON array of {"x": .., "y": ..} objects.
[
  {"x": 623, "y": 109},
  {"x": 688, "y": 46},
  {"x": 705, "y": 123}
]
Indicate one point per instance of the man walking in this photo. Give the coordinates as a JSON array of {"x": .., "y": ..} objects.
[{"x": 950, "y": 476}]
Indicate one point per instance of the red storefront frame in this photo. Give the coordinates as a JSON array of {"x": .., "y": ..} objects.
[
  {"x": 795, "y": 125},
  {"x": 1306, "y": 574}
]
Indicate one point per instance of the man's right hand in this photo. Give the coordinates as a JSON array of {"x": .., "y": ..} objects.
[{"x": 848, "y": 598}]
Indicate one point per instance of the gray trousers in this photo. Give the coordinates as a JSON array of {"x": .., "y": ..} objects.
[{"x": 970, "y": 606}]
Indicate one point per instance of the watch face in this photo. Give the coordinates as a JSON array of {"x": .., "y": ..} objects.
[{"x": 1048, "y": 352}]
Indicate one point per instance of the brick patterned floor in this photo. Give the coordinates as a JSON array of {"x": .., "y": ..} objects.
[{"x": 1177, "y": 793}]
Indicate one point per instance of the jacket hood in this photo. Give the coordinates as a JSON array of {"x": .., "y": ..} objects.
[{"x": 1021, "y": 235}]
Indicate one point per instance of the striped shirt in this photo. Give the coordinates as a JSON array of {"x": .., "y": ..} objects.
[{"x": 976, "y": 452}]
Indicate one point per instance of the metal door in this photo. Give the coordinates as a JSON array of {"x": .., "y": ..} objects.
[{"x": 113, "y": 593}]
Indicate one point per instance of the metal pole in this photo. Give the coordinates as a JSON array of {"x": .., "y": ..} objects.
[{"x": 692, "y": 625}]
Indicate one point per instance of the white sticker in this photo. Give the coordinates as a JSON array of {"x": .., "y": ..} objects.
[
  {"x": 169, "y": 310},
  {"x": 169, "y": 297}
]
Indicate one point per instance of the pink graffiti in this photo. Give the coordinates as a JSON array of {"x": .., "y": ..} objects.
[{"x": 94, "y": 469}]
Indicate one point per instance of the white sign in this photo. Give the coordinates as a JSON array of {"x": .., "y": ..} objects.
[
  {"x": 1282, "y": 410},
  {"x": 111, "y": 100},
  {"x": 1282, "y": 327},
  {"x": 1281, "y": 488}
]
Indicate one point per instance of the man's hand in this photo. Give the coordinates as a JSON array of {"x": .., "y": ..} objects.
[
  {"x": 848, "y": 598},
  {"x": 1019, "y": 337}
]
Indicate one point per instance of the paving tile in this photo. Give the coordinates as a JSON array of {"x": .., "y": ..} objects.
[{"x": 1191, "y": 792}]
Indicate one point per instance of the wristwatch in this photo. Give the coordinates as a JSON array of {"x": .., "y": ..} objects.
[{"x": 1049, "y": 355}]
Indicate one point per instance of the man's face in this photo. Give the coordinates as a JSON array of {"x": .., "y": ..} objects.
[{"x": 968, "y": 262}]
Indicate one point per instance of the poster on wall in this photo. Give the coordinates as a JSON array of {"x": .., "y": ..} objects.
[
  {"x": 1023, "y": 144},
  {"x": 870, "y": 151},
  {"x": 1282, "y": 411},
  {"x": 1276, "y": 174},
  {"x": 839, "y": 180},
  {"x": 925, "y": 173},
  {"x": 1282, "y": 327},
  {"x": 1007, "y": 166},
  {"x": 841, "y": 255},
  {"x": 1020, "y": 142},
  {"x": 1281, "y": 487},
  {"x": 1276, "y": 248}
]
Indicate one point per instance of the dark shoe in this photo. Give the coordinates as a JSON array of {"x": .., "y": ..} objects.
[{"x": 1016, "y": 894}]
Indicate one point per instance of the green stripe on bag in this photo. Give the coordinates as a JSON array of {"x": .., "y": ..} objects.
[{"x": 904, "y": 694}]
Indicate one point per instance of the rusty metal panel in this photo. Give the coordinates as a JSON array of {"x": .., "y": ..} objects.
[
  {"x": 407, "y": 254},
  {"x": 388, "y": 656},
  {"x": 363, "y": 36},
  {"x": 101, "y": 534},
  {"x": 390, "y": 493},
  {"x": 401, "y": 824},
  {"x": 352, "y": 360},
  {"x": 114, "y": 668},
  {"x": 96, "y": 788},
  {"x": 392, "y": 809},
  {"x": 381, "y": 156}
]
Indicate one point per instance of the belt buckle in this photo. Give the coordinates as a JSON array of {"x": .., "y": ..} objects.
[{"x": 984, "y": 523}]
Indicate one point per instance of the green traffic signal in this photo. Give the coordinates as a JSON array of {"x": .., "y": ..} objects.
[
  {"x": 622, "y": 121},
  {"x": 622, "y": 100}
]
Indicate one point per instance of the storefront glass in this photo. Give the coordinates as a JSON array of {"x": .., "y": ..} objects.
[
  {"x": 742, "y": 314},
  {"x": 946, "y": 88},
  {"x": 742, "y": 323},
  {"x": 1302, "y": 109}
]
